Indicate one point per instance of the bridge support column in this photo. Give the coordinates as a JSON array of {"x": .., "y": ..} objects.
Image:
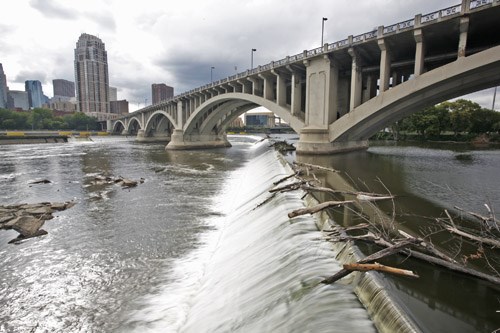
[
  {"x": 462, "y": 43},
  {"x": 419, "y": 52},
  {"x": 385, "y": 65},
  {"x": 356, "y": 80},
  {"x": 321, "y": 109},
  {"x": 179, "y": 141},
  {"x": 317, "y": 142}
]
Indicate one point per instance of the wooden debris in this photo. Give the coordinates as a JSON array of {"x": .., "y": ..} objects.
[
  {"x": 314, "y": 166},
  {"x": 375, "y": 256},
  {"x": 318, "y": 208},
  {"x": 380, "y": 268}
]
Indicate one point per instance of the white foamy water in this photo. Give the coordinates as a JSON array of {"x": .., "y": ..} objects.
[{"x": 256, "y": 270}]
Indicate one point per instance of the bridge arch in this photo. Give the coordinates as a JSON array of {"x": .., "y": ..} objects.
[
  {"x": 224, "y": 108},
  {"x": 463, "y": 76},
  {"x": 133, "y": 125},
  {"x": 118, "y": 126},
  {"x": 159, "y": 121}
]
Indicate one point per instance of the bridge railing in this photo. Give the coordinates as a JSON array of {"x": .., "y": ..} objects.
[{"x": 418, "y": 20}]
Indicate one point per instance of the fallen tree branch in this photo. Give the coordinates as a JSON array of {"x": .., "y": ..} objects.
[
  {"x": 482, "y": 240},
  {"x": 285, "y": 178},
  {"x": 489, "y": 222},
  {"x": 380, "y": 268},
  {"x": 375, "y": 256},
  {"x": 318, "y": 208},
  {"x": 313, "y": 166},
  {"x": 288, "y": 187}
]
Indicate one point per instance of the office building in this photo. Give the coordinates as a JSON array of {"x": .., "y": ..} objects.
[
  {"x": 260, "y": 119},
  {"x": 3, "y": 89},
  {"x": 35, "y": 93},
  {"x": 161, "y": 92},
  {"x": 20, "y": 100},
  {"x": 91, "y": 77},
  {"x": 119, "y": 107},
  {"x": 63, "y": 89},
  {"x": 113, "y": 94}
]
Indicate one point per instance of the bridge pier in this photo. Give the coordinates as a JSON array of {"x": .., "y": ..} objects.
[
  {"x": 179, "y": 141},
  {"x": 154, "y": 137},
  {"x": 316, "y": 142}
]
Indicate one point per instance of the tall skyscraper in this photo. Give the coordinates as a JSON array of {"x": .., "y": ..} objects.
[
  {"x": 91, "y": 77},
  {"x": 161, "y": 92},
  {"x": 63, "y": 89},
  {"x": 35, "y": 93},
  {"x": 3, "y": 89}
]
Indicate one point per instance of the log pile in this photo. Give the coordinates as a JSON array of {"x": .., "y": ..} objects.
[{"x": 388, "y": 237}]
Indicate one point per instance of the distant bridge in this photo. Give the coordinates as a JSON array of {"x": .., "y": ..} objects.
[{"x": 340, "y": 94}]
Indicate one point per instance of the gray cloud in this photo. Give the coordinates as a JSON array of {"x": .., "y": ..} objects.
[
  {"x": 184, "y": 41},
  {"x": 25, "y": 75},
  {"x": 104, "y": 20},
  {"x": 53, "y": 10}
]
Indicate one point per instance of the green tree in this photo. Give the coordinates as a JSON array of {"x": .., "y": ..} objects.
[
  {"x": 483, "y": 121},
  {"x": 430, "y": 121},
  {"x": 461, "y": 112},
  {"x": 80, "y": 121},
  {"x": 41, "y": 118}
]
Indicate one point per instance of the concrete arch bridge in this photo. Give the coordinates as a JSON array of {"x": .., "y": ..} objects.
[{"x": 338, "y": 95}]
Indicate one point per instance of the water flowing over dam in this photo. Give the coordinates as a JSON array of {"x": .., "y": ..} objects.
[{"x": 200, "y": 245}]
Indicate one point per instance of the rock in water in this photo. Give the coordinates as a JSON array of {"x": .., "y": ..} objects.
[{"x": 27, "y": 225}]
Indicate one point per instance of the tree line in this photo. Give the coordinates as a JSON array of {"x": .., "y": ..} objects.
[
  {"x": 460, "y": 118},
  {"x": 44, "y": 119}
]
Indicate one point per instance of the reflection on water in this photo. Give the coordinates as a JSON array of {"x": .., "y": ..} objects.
[{"x": 426, "y": 180}]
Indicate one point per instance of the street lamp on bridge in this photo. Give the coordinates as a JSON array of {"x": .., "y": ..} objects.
[
  {"x": 211, "y": 74},
  {"x": 251, "y": 58},
  {"x": 322, "y": 29}
]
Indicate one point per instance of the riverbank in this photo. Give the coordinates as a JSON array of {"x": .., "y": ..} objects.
[{"x": 35, "y": 137}]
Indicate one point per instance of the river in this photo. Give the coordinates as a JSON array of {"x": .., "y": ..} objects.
[{"x": 193, "y": 250}]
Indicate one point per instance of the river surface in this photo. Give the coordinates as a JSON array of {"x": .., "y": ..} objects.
[{"x": 197, "y": 247}]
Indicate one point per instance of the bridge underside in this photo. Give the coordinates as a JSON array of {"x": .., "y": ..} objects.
[{"x": 337, "y": 96}]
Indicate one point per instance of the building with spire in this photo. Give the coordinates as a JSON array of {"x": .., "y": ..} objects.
[{"x": 91, "y": 77}]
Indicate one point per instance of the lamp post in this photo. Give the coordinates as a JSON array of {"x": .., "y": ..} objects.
[
  {"x": 322, "y": 29},
  {"x": 494, "y": 98},
  {"x": 251, "y": 58},
  {"x": 211, "y": 74}
]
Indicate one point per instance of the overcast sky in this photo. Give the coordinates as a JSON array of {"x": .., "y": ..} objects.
[{"x": 177, "y": 42}]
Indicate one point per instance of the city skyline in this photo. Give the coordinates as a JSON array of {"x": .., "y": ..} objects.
[{"x": 149, "y": 42}]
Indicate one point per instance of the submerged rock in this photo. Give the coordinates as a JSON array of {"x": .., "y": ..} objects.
[
  {"x": 27, "y": 219},
  {"x": 43, "y": 181}
]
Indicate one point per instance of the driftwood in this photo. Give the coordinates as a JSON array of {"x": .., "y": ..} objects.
[
  {"x": 392, "y": 243},
  {"x": 483, "y": 240},
  {"x": 380, "y": 268},
  {"x": 318, "y": 208},
  {"x": 287, "y": 177},
  {"x": 375, "y": 256},
  {"x": 288, "y": 187},
  {"x": 445, "y": 263},
  {"x": 313, "y": 166}
]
